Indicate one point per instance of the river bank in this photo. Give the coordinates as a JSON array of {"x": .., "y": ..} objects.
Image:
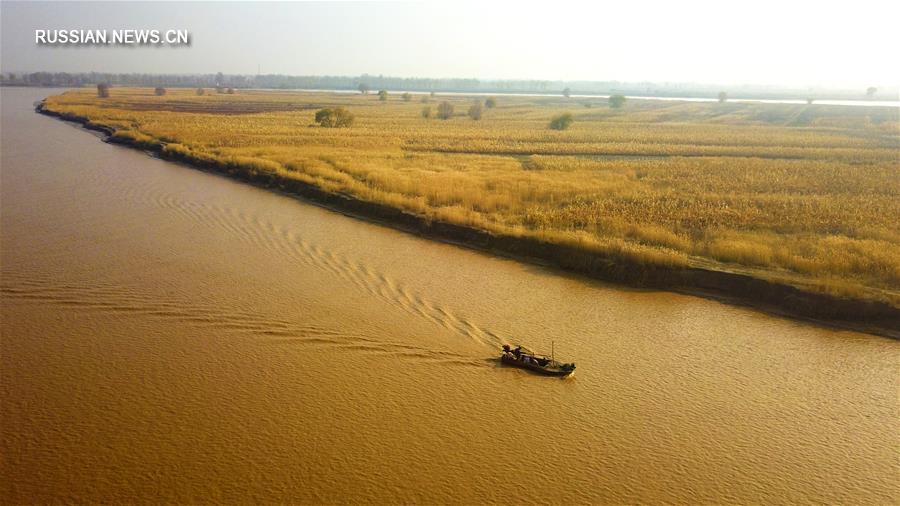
[{"x": 734, "y": 287}]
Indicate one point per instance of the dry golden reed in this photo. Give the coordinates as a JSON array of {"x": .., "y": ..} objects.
[{"x": 807, "y": 194}]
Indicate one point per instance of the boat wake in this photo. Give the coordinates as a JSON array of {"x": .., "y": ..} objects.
[
  {"x": 111, "y": 299},
  {"x": 290, "y": 243}
]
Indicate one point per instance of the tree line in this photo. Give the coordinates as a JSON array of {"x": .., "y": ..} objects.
[{"x": 373, "y": 82}]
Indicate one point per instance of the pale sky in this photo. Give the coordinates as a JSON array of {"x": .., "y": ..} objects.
[{"x": 829, "y": 44}]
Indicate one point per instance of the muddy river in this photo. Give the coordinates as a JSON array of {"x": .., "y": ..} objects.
[{"x": 172, "y": 335}]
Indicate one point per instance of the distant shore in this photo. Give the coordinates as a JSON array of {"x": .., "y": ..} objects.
[
  {"x": 771, "y": 296},
  {"x": 838, "y": 100}
]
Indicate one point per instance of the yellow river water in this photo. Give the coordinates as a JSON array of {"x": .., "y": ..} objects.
[{"x": 170, "y": 335}]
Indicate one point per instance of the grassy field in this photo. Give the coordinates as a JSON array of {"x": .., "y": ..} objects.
[{"x": 804, "y": 194}]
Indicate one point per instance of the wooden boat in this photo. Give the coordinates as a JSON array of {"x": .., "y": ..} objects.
[{"x": 541, "y": 364}]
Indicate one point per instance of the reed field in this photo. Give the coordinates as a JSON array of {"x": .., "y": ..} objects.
[{"x": 804, "y": 194}]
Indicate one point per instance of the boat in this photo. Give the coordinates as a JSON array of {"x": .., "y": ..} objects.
[{"x": 524, "y": 358}]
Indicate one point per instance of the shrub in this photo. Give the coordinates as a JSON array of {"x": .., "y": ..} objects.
[
  {"x": 103, "y": 90},
  {"x": 567, "y": 92},
  {"x": 426, "y": 99},
  {"x": 200, "y": 92},
  {"x": 406, "y": 97},
  {"x": 475, "y": 111},
  {"x": 159, "y": 91},
  {"x": 617, "y": 101},
  {"x": 723, "y": 97},
  {"x": 220, "y": 89},
  {"x": 230, "y": 91},
  {"x": 562, "y": 122},
  {"x": 445, "y": 110},
  {"x": 426, "y": 111},
  {"x": 363, "y": 88},
  {"x": 334, "y": 117},
  {"x": 382, "y": 95},
  {"x": 490, "y": 103}
]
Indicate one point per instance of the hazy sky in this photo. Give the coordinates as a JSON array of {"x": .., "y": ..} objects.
[{"x": 837, "y": 43}]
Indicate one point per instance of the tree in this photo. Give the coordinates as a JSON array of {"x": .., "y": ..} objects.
[
  {"x": 723, "y": 97},
  {"x": 406, "y": 97},
  {"x": 871, "y": 91},
  {"x": 103, "y": 90},
  {"x": 364, "y": 88},
  {"x": 617, "y": 101},
  {"x": 426, "y": 112},
  {"x": 490, "y": 103},
  {"x": 567, "y": 92},
  {"x": 475, "y": 111},
  {"x": 382, "y": 95},
  {"x": 445, "y": 110},
  {"x": 159, "y": 91},
  {"x": 562, "y": 122},
  {"x": 200, "y": 92},
  {"x": 334, "y": 117},
  {"x": 220, "y": 80}
]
